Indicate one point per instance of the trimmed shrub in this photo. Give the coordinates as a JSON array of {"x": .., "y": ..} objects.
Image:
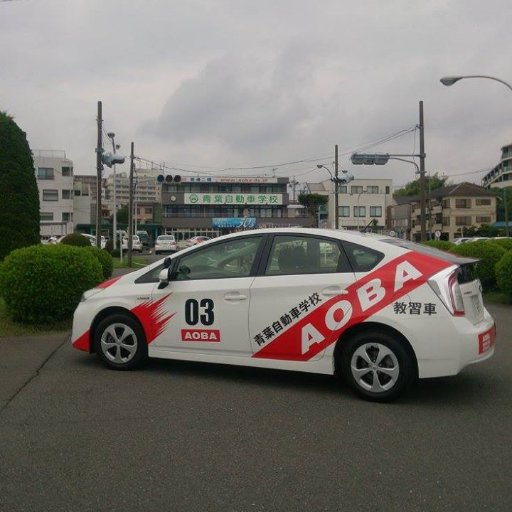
[
  {"x": 105, "y": 259},
  {"x": 76, "y": 239},
  {"x": 109, "y": 246},
  {"x": 116, "y": 253},
  {"x": 44, "y": 283},
  {"x": 504, "y": 274},
  {"x": 443, "y": 245},
  {"x": 488, "y": 253},
  {"x": 506, "y": 243}
]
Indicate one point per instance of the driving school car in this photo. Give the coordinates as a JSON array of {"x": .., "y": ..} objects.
[{"x": 376, "y": 310}]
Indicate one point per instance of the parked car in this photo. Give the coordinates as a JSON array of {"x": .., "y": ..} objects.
[
  {"x": 144, "y": 238},
  {"x": 379, "y": 311},
  {"x": 92, "y": 240},
  {"x": 195, "y": 240},
  {"x": 165, "y": 243},
  {"x": 136, "y": 244}
]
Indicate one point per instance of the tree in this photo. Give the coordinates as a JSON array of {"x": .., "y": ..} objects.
[
  {"x": 313, "y": 202},
  {"x": 413, "y": 187},
  {"x": 122, "y": 215},
  {"x": 19, "y": 214}
]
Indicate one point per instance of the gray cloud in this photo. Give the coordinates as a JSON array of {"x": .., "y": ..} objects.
[{"x": 241, "y": 83}]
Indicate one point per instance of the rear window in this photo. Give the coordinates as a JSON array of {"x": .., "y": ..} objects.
[
  {"x": 166, "y": 238},
  {"x": 361, "y": 258}
]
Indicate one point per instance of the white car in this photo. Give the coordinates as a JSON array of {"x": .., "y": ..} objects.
[
  {"x": 92, "y": 240},
  {"x": 165, "y": 243},
  {"x": 136, "y": 243},
  {"x": 377, "y": 310}
]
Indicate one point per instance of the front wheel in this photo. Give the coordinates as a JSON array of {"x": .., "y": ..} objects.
[
  {"x": 377, "y": 365},
  {"x": 120, "y": 342}
]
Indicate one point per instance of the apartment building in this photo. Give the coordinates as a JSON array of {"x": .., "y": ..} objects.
[
  {"x": 452, "y": 208},
  {"x": 362, "y": 203},
  {"x": 54, "y": 173},
  {"x": 500, "y": 175}
]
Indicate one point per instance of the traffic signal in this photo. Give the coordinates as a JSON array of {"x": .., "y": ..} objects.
[
  {"x": 109, "y": 159},
  {"x": 369, "y": 158},
  {"x": 168, "y": 179},
  {"x": 345, "y": 178}
]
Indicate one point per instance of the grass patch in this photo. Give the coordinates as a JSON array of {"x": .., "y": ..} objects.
[
  {"x": 10, "y": 328},
  {"x": 137, "y": 262}
]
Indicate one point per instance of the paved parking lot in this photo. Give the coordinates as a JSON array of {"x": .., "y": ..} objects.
[{"x": 196, "y": 437}]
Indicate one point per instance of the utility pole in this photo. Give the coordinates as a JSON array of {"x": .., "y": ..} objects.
[
  {"x": 422, "y": 176},
  {"x": 336, "y": 220},
  {"x": 130, "y": 208},
  {"x": 99, "y": 169}
]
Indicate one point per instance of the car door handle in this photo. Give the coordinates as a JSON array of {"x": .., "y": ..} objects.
[
  {"x": 332, "y": 291},
  {"x": 234, "y": 297}
]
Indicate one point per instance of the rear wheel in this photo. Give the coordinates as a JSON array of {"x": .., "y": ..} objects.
[
  {"x": 120, "y": 342},
  {"x": 377, "y": 365}
]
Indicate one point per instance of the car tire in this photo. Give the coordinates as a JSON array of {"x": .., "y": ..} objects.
[
  {"x": 377, "y": 365},
  {"x": 120, "y": 342}
]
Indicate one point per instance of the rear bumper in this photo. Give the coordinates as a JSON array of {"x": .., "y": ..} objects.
[{"x": 467, "y": 344}]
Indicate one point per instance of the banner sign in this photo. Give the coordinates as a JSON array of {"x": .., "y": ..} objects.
[
  {"x": 225, "y": 179},
  {"x": 234, "y": 222},
  {"x": 234, "y": 199}
]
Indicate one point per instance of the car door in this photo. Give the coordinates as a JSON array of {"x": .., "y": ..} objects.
[
  {"x": 300, "y": 292},
  {"x": 206, "y": 304}
]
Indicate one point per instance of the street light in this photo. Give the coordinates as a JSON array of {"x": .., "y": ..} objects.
[
  {"x": 345, "y": 178},
  {"x": 111, "y": 136},
  {"x": 450, "y": 80}
]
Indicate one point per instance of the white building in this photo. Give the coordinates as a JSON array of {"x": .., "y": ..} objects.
[
  {"x": 362, "y": 203},
  {"x": 54, "y": 173}
]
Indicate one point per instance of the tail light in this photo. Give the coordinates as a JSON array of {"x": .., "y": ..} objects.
[{"x": 446, "y": 287}]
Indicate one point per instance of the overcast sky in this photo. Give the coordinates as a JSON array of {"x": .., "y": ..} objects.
[{"x": 207, "y": 85}]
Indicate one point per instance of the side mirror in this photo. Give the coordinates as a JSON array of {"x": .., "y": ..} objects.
[
  {"x": 167, "y": 262},
  {"x": 163, "y": 278}
]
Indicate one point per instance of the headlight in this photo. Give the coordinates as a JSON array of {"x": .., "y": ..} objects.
[{"x": 89, "y": 293}]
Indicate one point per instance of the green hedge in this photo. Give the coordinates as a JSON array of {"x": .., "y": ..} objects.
[
  {"x": 443, "y": 245},
  {"x": 105, "y": 259},
  {"x": 44, "y": 283},
  {"x": 504, "y": 273},
  {"x": 489, "y": 254},
  {"x": 506, "y": 243},
  {"x": 76, "y": 239}
]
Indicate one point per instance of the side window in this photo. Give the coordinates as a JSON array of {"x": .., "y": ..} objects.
[
  {"x": 231, "y": 258},
  {"x": 305, "y": 255},
  {"x": 362, "y": 258},
  {"x": 151, "y": 276}
]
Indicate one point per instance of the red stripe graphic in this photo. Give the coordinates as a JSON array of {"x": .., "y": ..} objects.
[
  {"x": 152, "y": 317},
  {"x": 323, "y": 326}
]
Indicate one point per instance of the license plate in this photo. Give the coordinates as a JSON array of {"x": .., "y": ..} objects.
[{"x": 486, "y": 340}]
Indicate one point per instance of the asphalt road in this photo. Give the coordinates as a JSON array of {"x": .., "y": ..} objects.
[{"x": 176, "y": 436}]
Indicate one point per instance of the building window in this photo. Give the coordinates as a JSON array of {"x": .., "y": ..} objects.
[
  {"x": 356, "y": 189},
  {"x": 67, "y": 171},
  {"x": 46, "y": 216},
  {"x": 375, "y": 211},
  {"x": 67, "y": 194},
  {"x": 483, "y": 202},
  {"x": 462, "y": 203},
  {"x": 483, "y": 220},
  {"x": 50, "y": 195},
  {"x": 344, "y": 211},
  {"x": 67, "y": 217},
  {"x": 342, "y": 189},
  {"x": 446, "y": 203},
  {"x": 359, "y": 211},
  {"x": 370, "y": 189},
  {"x": 446, "y": 221},
  {"x": 387, "y": 190},
  {"x": 45, "y": 173},
  {"x": 148, "y": 211},
  {"x": 463, "y": 221}
]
